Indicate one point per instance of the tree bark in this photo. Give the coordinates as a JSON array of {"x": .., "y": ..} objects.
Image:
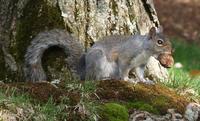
[
  {"x": 88, "y": 20},
  {"x": 92, "y": 19}
]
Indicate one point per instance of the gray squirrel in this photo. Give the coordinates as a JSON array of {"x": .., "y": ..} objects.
[{"x": 113, "y": 57}]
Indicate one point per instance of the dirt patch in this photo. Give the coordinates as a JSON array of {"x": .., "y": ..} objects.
[{"x": 42, "y": 91}]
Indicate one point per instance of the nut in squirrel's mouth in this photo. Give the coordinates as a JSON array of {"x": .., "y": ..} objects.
[{"x": 166, "y": 60}]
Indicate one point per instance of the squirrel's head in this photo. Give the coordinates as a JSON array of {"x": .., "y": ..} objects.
[{"x": 159, "y": 42}]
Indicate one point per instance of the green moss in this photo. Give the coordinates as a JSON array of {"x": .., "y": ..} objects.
[
  {"x": 159, "y": 96},
  {"x": 113, "y": 112},
  {"x": 160, "y": 101},
  {"x": 140, "y": 105}
]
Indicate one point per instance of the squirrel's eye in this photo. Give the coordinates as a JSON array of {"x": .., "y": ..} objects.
[{"x": 160, "y": 42}]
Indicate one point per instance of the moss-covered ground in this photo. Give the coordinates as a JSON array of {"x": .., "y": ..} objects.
[{"x": 108, "y": 100}]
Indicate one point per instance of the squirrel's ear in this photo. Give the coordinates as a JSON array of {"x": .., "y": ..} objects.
[
  {"x": 152, "y": 32},
  {"x": 160, "y": 29}
]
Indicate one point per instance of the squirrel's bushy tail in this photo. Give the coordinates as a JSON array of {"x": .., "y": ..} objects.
[{"x": 43, "y": 41}]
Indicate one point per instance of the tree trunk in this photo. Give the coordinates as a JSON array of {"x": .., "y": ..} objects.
[{"x": 88, "y": 20}]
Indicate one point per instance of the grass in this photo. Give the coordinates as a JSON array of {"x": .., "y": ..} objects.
[
  {"x": 188, "y": 54},
  {"x": 25, "y": 108},
  {"x": 180, "y": 78},
  {"x": 11, "y": 100},
  {"x": 88, "y": 105},
  {"x": 51, "y": 111}
]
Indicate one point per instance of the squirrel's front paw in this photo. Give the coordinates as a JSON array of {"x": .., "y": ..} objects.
[
  {"x": 130, "y": 80},
  {"x": 147, "y": 81}
]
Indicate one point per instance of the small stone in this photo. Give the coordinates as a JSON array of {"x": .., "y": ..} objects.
[
  {"x": 192, "y": 112},
  {"x": 155, "y": 71},
  {"x": 6, "y": 115},
  {"x": 178, "y": 65},
  {"x": 138, "y": 115}
]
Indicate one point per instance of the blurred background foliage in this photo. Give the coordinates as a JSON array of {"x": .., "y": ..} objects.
[{"x": 181, "y": 20}]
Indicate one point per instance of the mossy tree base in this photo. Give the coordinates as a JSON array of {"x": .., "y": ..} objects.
[{"x": 35, "y": 16}]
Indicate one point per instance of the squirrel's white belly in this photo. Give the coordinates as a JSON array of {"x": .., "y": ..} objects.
[
  {"x": 140, "y": 59},
  {"x": 107, "y": 69}
]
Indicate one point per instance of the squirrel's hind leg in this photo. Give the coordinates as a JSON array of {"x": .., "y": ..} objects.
[{"x": 97, "y": 65}]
